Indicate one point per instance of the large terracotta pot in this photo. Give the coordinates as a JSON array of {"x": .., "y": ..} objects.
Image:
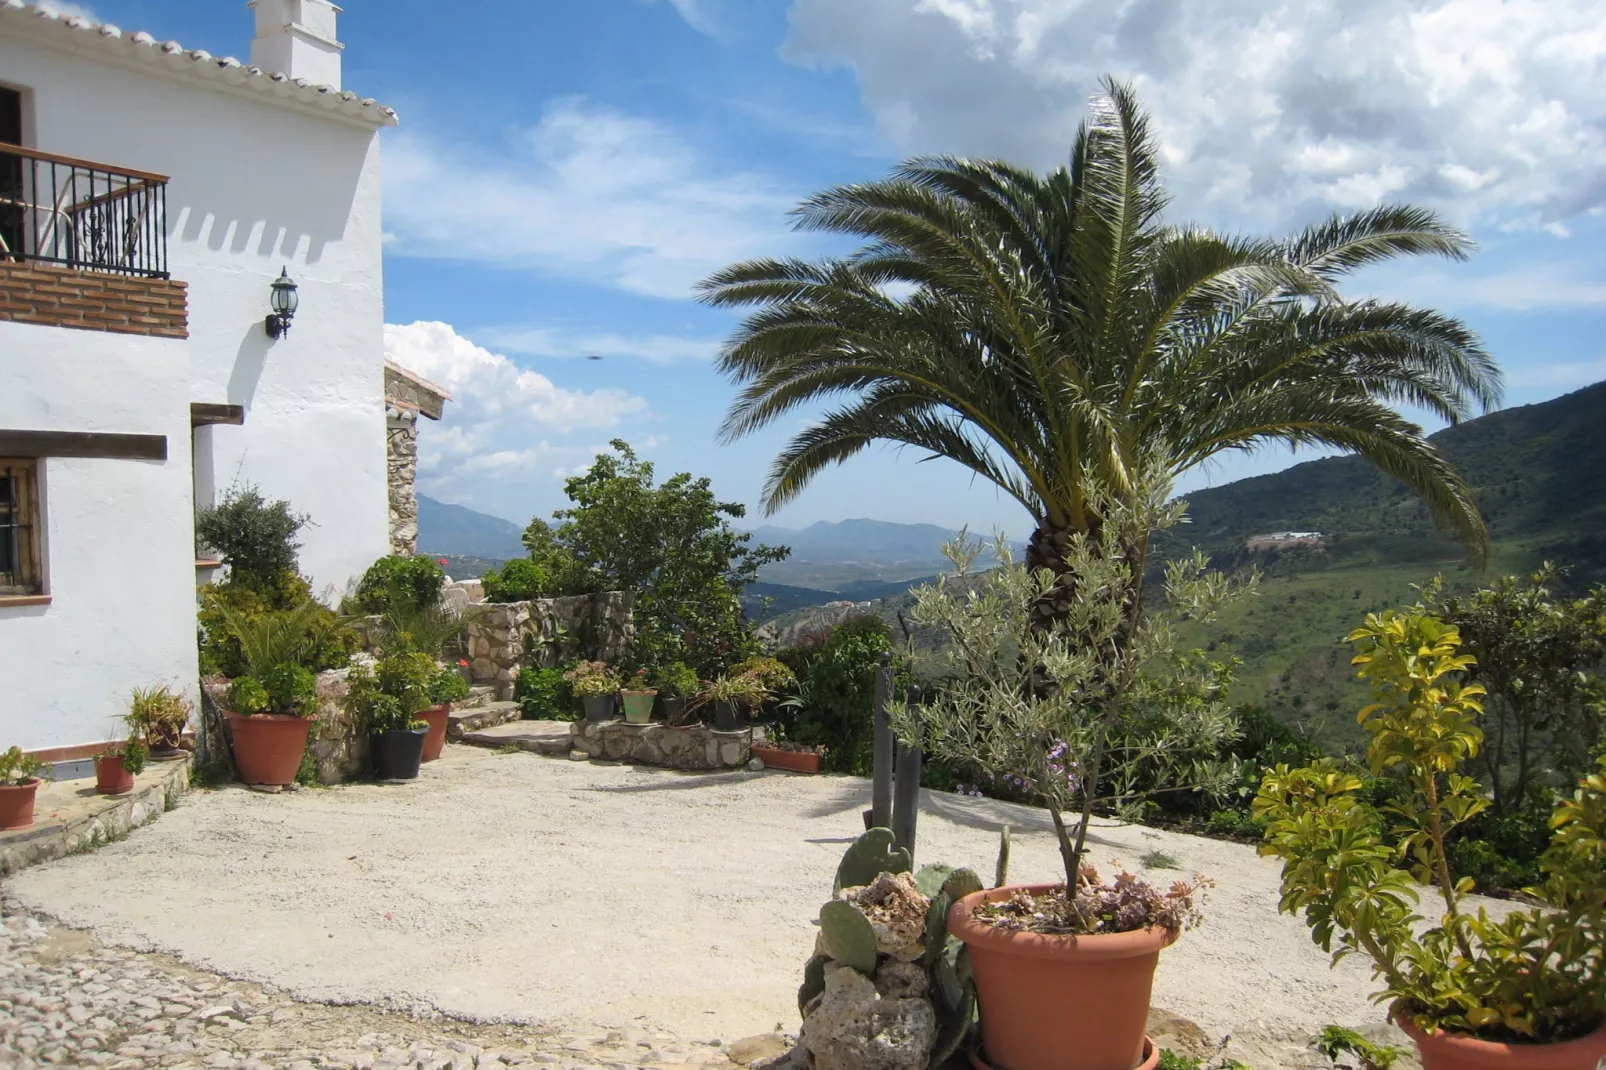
[
  {"x": 1451, "y": 1051},
  {"x": 16, "y": 804},
  {"x": 437, "y": 717},
  {"x": 111, "y": 778},
  {"x": 1059, "y": 1002},
  {"x": 268, "y": 748}
]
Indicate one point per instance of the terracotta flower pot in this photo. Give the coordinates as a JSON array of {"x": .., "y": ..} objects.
[
  {"x": 268, "y": 748},
  {"x": 111, "y": 778},
  {"x": 16, "y": 804},
  {"x": 437, "y": 717},
  {"x": 796, "y": 761},
  {"x": 1059, "y": 1002},
  {"x": 1453, "y": 1051},
  {"x": 638, "y": 706}
]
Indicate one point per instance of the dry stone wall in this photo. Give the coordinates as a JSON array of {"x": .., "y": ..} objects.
[
  {"x": 693, "y": 748},
  {"x": 401, "y": 435},
  {"x": 338, "y": 748},
  {"x": 505, "y": 636}
]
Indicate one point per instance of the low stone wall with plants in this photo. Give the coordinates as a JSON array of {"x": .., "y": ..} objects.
[
  {"x": 503, "y": 637},
  {"x": 695, "y": 748}
]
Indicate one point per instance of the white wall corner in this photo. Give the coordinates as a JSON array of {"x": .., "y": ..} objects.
[{"x": 297, "y": 38}]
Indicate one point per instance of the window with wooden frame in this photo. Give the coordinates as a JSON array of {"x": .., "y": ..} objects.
[{"x": 20, "y": 571}]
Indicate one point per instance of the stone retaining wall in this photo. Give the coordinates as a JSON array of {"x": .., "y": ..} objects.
[
  {"x": 338, "y": 748},
  {"x": 68, "y": 821},
  {"x": 505, "y": 636},
  {"x": 694, "y": 748}
]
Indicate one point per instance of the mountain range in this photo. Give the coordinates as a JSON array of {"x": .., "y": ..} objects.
[{"x": 457, "y": 531}]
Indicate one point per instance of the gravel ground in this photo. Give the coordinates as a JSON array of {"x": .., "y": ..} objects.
[{"x": 515, "y": 888}]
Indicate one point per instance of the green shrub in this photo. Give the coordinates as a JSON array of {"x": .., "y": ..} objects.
[
  {"x": 520, "y": 580},
  {"x": 544, "y": 695},
  {"x": 388, "y": 696},
  {"x": 416, "y": 580},
  {"x": 675, "y": 680},
  {"x": 291, "y": 688},
  {"x": 247, "y": 696},
  {"x": 325, "y": 641},
  {"x": 1501, "y": 852},
  {"x": 447, "y": 685},
  {"x": 17, "y": 768},
  {"x": 836, "y": 696},
  {"x": 254, "y": 537}
]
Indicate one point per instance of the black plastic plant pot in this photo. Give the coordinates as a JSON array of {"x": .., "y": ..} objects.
[
  {"x": 727, "y": 717},
  {"x": 598, "y": 707},
  {"x": 673, "y": 708},
  {"x": 397, "y": 753}
]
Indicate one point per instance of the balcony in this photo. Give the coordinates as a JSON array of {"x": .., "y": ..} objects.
[
  {"x": 84, "y": 246},
  {"x": 80, "y": 215}
]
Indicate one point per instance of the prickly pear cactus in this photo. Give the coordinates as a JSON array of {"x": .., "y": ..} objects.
[
  {"x": 813, "y": 982},
  {"x": 849, "y": 936},
  {"x": 930, "y": 879},
  {"x": 960, "y": 883},
  {"x": 1002, "y": 877},
  {"x": 868, "y": 857}
]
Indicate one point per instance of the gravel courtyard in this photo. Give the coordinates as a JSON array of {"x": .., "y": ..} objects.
[{"x": 516, "y": 888}]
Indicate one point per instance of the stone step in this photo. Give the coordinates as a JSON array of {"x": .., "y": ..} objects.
[
  {"x": 478, "y": 696},
  {"x": 474, "y": 718},
  {"x": 542, "y": 737}
]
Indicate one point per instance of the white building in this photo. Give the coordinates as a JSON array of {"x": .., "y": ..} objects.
[{"x": 155, "y": 196}]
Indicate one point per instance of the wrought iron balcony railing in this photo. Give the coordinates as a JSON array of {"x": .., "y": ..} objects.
[{"x": 76, "y": 214}]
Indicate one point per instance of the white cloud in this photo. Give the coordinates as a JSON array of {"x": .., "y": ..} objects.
[
  {"x": 501, "y": 442},
  {"x": 587, "y": 193},
  {"x": 1494, "y": 111},
  {"x": 697, "y": 18},
  {"x": 563, "y": 344},
  {"x": 1548, "y": 285}
]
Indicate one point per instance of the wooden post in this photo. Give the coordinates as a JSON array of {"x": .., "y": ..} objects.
[
  {"x": 881, "y": 783},
  {"x": 906, "y": 793}
]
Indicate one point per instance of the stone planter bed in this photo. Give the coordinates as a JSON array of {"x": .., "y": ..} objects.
[{"x": 694, "y": 748}]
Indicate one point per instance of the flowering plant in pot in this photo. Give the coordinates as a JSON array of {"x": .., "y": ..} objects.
[
  {"x": 446, "y": 686},
  {"x": 118, "y": 765},
  {"x": 1524, "y": 991},
  {"x": 159, "y": 716},
  {"x": 1089, "y": 714},
  {"x": 596, "y": 685},
  {"x": 731, "y": 696},
  {"x": 20, "y": 776},
  {"x": 638, "y": 695},
  {"x": 385, "y": 701},
  {"x": 676, "y": 683}
]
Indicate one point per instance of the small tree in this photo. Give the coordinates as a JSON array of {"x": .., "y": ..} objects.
[
  {"x": 1537, "y": 657},
  {"x": 1081, "y": 713},
  {"x": 254, "y": 537}
]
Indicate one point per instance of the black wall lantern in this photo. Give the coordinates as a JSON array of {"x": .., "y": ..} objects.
[{"x": 283, "y": 302}]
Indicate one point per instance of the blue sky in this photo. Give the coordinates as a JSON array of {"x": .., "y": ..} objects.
[{"x": 565, "y": 171}]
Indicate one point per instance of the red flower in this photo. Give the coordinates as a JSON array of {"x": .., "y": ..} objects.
[
  {"x": 462, "y": 663},
  {"x": 441, "y": 561}
]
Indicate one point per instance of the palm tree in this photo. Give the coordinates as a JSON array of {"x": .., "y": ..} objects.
[{"x": 1052, "y": 335}]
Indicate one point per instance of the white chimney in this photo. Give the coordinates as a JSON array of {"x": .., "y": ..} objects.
[{"x": 297, "y": 38}]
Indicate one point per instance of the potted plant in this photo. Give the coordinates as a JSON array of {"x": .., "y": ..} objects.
[
  {"x": 596, "y": 686},
  {"x": 775, "y": 676},
  {"x": 783, "y": 754},
  {"x": 119, "y": 764},
  {"x": 731, "y": 696},
  {"x": 639, "y": 696},
  {"x": 269, "y": 719},
  {"x": 385, "y": 701},
  {"x": 1521, "y": 992},
  {"x": 1073, "y": 716},
  {"x": 446, "y": 686},
  {"x": 159, "y": 716},
  {"x": 20, "y": 775},
  {"x": 676, "y": 683}
]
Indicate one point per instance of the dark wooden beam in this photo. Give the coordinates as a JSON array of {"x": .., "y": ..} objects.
[
  {"x": 83, "y": 444},
  {"x": 205, "y": 412}
]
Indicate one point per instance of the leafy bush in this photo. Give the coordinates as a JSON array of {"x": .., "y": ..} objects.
[
  {"x": 417, "y": 581},
  {"x": 278, "y": 613},
  {"x": 388, "y": 696},
  {"x": 771, "y": 673},
  {"x": 447, "y": 685},
  {"x": 255, "y": 538},
  {"x": 544, "y": 695},
  {"x": 1502, "y": 851},
  {"x": 520, "y": 580},
  {"x": 836, "y": 698},
  {"x": 675, "y": 680},
  {"x": 291, "y": 688},
  {"x": 247, "y": 696},
  {"x": 132, "y": 751}
]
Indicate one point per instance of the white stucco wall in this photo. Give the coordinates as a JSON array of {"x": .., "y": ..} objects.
[
  {"x": 116, "y": 535},
  {"x": 255, "y": 186}
]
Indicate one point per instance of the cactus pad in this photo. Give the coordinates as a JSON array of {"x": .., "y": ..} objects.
[
  {"x": 868, "y": 857},
  {"x": 849, "y": 936}
]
